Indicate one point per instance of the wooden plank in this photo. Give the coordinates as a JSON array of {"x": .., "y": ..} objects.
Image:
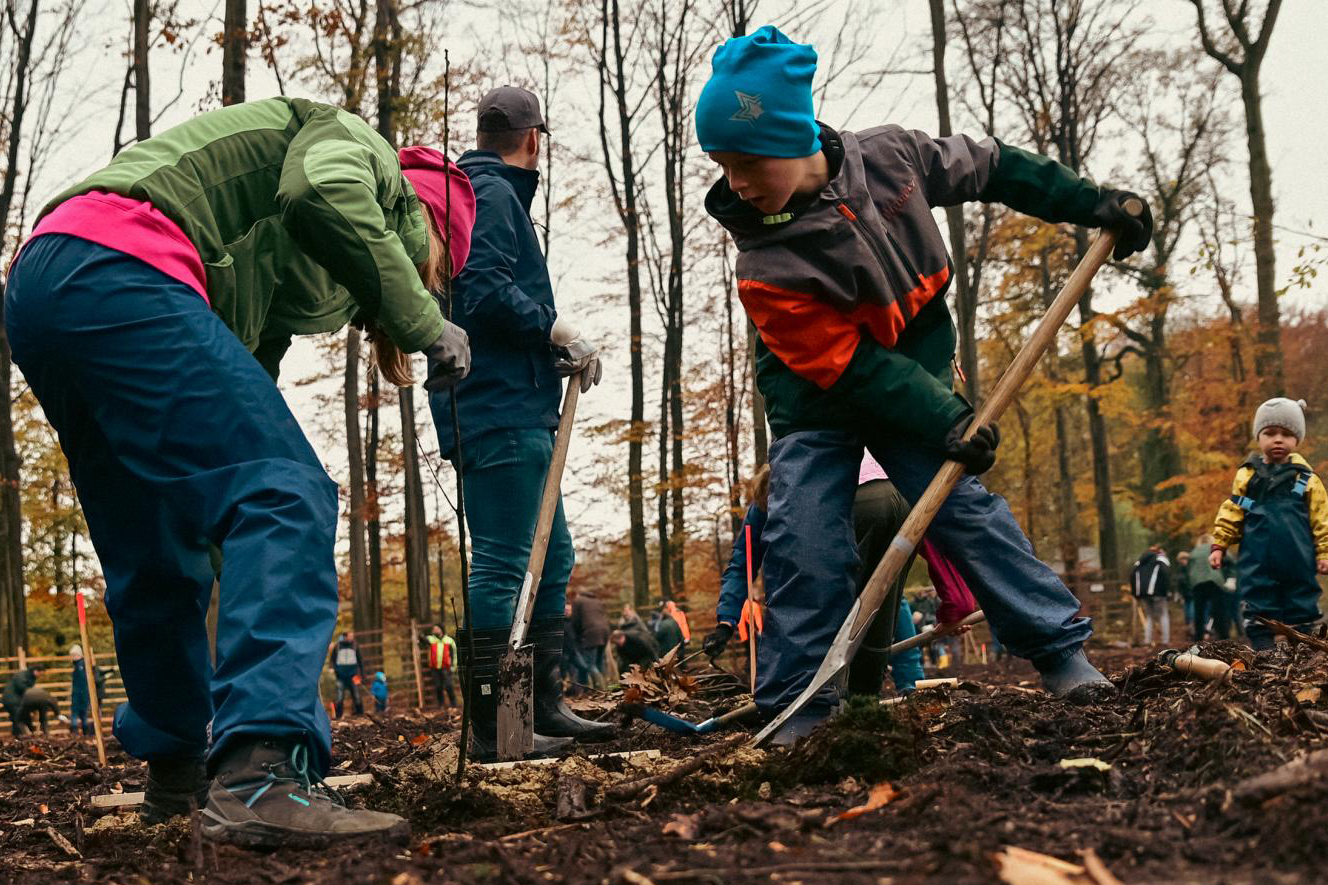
[
  {"x": 629, "y": 755},
  {"x": 125, "y": 800}
]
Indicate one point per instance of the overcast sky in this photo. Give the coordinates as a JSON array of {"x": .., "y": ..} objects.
[{"x": 1295, "y": 83}]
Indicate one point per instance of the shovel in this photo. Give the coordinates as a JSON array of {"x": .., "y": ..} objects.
[
  {"x": 516, "y": 669},
  {"x": 679, "y": 725},
  {"x": 901, "y": 548}
]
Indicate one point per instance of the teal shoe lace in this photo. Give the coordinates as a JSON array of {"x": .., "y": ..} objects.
[{"x": 298, "y": 765}]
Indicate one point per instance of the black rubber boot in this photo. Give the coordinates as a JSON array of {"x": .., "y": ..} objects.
[
  {"x": 552, "y": 715},
  {"x": 489, "y": 648},
  {"x": 176, "y": 785},
  {"x": 264, "y": 796}
]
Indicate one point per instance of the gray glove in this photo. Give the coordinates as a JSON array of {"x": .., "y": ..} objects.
[
  {"x": 574, "y": 354},
  {"x": 449, "y": 358}
]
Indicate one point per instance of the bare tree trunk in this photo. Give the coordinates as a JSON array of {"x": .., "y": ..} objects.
[
  {"x": 417, "y": 528},
  {"x": 760, "y": 441},
  {"x": 622, "y": 174},
  {"x": 966, "y": 300},
  {"x": 1108, "y": 550},
  {"x": 142, "y": 91},
  {"x": 662, "y": 486},
  {"x": 1066, "y": 509},
  {"x": 1268, "y": 354},
  {"x": 13, "y": 604},
  {"x": 372, "y": 500},
  {"x": 234, "y": 46},
  {"x": 729, "y": 354},
  {"x": 359, "y": 578}
]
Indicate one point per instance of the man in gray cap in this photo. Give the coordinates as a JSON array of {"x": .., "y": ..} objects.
[{"x": 508, "y": 411}]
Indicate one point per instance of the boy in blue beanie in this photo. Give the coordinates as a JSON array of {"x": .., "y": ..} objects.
[{"x": 843, "y": 270}]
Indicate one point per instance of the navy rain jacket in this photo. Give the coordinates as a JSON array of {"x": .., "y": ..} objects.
[{"x": 504, "y": 301}]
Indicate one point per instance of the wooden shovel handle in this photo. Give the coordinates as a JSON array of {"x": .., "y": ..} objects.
[
  {"x": 548, "y": 506},
  {"x": 925, "y": 510}
]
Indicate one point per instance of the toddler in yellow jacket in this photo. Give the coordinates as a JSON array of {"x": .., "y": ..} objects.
[{"x": 1278, "y": 514}]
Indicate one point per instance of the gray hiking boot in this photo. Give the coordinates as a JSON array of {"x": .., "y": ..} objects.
[
  {"x": 264, "y": 796},
  {"x": 176, "y": 785},
  {"x": 1075, "y": 680}
]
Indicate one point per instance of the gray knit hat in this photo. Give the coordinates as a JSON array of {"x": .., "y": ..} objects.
[{"x": 1281, "y": 412}]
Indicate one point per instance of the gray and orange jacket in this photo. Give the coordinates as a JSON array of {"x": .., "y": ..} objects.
[{"x": 844, "y": 289}]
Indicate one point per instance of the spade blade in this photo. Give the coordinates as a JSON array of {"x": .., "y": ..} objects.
[{"x": 516, "y": 693}]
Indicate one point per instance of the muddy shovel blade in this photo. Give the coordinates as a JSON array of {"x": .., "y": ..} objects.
[{"x": 516, "y": 692}]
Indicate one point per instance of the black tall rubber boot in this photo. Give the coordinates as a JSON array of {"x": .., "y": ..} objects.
[
  {"x": 552, "y": 715},
  {"x": 483, "y": 700},
  {"x": 176, "y": 785}
]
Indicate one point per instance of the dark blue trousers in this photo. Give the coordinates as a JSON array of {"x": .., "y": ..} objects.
[
  {"x": 811, "y": 562},
  {"x": 177, "y": 439}
]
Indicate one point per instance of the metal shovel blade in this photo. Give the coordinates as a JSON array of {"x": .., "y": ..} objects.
[{"x": 516, "y": 691}]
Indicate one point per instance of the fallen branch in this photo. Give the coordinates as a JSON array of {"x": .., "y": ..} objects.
[
  {"x": 63, "y": 844},
  {"x": 634, "y": 788},
  {"x": 539, "y": 831},
  {"x": 1304, "y": 771},
  {"x": 119, "y": 800},
  {"x": 1291, "y": 634}
]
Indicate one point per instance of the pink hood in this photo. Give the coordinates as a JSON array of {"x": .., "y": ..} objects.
[{"x": 433, "y": 176}]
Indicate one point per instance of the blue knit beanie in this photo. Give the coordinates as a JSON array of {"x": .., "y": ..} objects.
[{"x": 759, "y": 98}]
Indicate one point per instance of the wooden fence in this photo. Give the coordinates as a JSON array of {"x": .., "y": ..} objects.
[
  {"x": 398, "y": 652},
  {"x": 57, "y": 678}
]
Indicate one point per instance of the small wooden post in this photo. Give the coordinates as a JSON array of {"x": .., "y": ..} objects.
[
  {"x": 415, "y": 657},
  {"x": 89, "y": 667},
  {"x": 751, "y": 609}
]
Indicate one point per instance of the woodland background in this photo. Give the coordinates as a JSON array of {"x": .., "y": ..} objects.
[{"x": 1130, "y": 432}]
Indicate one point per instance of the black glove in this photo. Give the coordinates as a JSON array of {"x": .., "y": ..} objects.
[
  {"x": 1133, "y": 233},
  {"x": 449, "y": 358},
  {"x": 978, "y": 453},
  {"x": 717, "y": 640}
]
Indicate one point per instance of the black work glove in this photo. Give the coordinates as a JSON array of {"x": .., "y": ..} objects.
[
  {"x": 449, "y": 358},
  {"x": 1133, "y": 233},
  {"x": 717, "y": 640},
  {"x": 978, "y": 453}
]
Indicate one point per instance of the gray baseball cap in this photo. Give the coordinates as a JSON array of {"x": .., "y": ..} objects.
[{"x": 510, "y": 107}]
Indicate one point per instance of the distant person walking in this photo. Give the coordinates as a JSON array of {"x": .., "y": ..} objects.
[{"x": 1150, "y": 584}]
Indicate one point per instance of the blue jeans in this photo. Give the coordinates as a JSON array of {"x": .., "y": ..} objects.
[
  {"x": 504, "y": 481},
  {"x": 177, "y": 439},
  {"x": 811, "y": 564}
]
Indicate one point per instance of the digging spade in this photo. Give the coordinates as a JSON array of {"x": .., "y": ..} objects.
[
  {"x": 901, "y": 548},
  {"x": 516, "y": 670}
]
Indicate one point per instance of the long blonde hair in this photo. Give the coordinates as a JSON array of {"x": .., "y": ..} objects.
[{"x": 383, "y": 352}]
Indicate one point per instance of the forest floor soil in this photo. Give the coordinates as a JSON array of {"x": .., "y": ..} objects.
[{"x": 1159, "y": 784}]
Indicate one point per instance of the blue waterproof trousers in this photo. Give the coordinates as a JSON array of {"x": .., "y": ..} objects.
[
  {"x": 504, "y": 481},
  {"x": 811, "y": 564},
  {"x": 177, "y": 439}
]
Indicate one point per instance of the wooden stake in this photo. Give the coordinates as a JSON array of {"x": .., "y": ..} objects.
[
  {"x": 751, "y": 609},
  {"x": 89, "y": 667},
  {"x": 22, "y": 659},
  {"x": 415, "y": 657}
]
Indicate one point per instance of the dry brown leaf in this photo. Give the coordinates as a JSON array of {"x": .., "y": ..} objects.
[
  {"x": 684, "y": 826},
  {"x": 420, "y": 738},
  {"x": 43, "y": 808},
  {"x": 1019, "y": 866},
  {"x": 880, "y": 796},
  {"x": 1238, "y": 665},
  {"x": 1309, "y": 695}
]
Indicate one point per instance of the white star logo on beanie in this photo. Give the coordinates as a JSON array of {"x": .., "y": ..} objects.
[{"x": 750, "y": 110}]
